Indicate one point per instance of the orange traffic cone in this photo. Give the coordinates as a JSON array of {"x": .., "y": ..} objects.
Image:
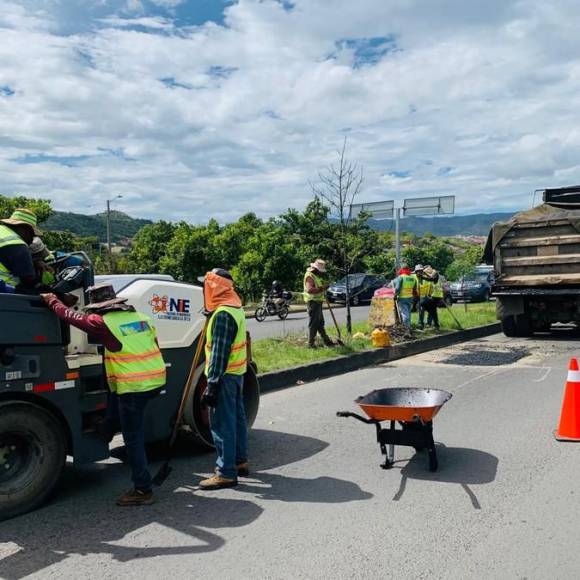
[{"x": 569, "y": 427}]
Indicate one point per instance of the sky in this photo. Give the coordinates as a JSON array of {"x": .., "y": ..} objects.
[{"x": 199, "y": 109}]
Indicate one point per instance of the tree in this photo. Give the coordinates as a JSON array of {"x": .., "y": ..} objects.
[
  {"x": 149, "y": 248},
  {"x": 465, "y": 263},
  {"x": 339, "y": 185},
  {"x": 41, "y": 207}
]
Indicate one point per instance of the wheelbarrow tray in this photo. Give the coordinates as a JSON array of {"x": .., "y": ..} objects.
[{"x": 403, "y": 404}]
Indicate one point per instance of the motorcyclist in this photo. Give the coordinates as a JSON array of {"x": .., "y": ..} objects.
[{"x": 276, "y": 293}]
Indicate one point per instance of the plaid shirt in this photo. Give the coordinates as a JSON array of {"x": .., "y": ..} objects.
[{"x": 224, "y": 330}]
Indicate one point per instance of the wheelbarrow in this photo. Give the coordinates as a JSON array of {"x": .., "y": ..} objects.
[{"x": 413, "y": 409}]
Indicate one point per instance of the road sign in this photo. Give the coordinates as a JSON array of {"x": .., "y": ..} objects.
[
  {"x": 378, "y": 210},
  {"x": 419, "y": 206}
]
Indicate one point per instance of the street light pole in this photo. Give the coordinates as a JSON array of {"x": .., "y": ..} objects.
[
  {"x": 109, "y": 246},
  {"x": 397, "y": 240}
]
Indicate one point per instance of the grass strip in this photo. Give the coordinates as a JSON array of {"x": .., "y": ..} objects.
[{"x": 280, "y": 353}]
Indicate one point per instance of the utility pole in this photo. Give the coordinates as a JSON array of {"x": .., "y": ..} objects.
[
  {"x": 397, "y": 240},
  {"x": 109, "y": 247}
]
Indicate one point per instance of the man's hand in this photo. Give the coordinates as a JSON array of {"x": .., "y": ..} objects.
[
  {"x": 210, "y": 397},
  {"x": 48, "y": 297}
]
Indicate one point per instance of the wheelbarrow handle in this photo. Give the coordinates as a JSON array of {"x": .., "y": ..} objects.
[{"x": 355, "y": 416}]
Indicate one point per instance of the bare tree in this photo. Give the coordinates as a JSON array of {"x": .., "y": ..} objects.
[{"x": 339, "y": 185}]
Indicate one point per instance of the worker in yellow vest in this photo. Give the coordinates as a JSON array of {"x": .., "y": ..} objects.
[
  {"x": 226, "y": 362},
  {"x": 314, "y": 295},
  {"x": 437, "y": 295},
  {"x": 135, "y": 373},
  {"x": 425, "y": 289},
  {"x": 406, "y": 288},
  {"x": 16, "y": 234}
]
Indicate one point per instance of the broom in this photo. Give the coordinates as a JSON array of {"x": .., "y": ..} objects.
[{"x": 166, "y": 468}]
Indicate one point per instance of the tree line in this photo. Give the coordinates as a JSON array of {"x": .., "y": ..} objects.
[{"x": 259, "y": 251}]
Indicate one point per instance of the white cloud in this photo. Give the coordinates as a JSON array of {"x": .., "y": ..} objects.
[{"x": 208, "y": 121}]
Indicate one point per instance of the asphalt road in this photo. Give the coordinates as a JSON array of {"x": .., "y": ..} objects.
[
  {"x": 298, "y": 322},
  {"x": 504, "y": 504}
]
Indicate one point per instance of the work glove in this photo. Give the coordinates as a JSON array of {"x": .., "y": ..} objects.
[{"x": 210, "y": 396}]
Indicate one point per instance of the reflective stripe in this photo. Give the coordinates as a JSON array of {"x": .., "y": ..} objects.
[
  {"x": 126, "y": 357},
  {"x": 574, "y": 376},
  {"x": 137, "y": 376}
]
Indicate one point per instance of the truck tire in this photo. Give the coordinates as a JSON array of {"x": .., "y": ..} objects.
[
  {"x": 516, "y": 326},
  {"x": 32, "y": 457},
  {"x": 196, "y": 414}
]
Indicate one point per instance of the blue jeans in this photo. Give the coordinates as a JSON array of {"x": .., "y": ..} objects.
[
  {"x": 229, "y": 427},
  {"x": 405, "y": 305},
  {"x": 129, "y": 409}
]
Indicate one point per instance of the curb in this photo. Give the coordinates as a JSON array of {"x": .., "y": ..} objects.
[{"x": 346, "y": 364}]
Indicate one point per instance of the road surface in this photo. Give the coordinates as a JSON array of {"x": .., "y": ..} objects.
[
  {"x": 504, "y": 504},
  {"x": 298, "y": 322}
]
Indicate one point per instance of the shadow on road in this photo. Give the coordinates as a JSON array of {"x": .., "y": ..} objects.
[
  {"x": 456, "y": 465},
  {"x": 83, "y": 520}
]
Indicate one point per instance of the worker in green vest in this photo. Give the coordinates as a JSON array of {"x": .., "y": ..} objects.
[
  {"x": 16, "y": 234},
  {"x": 406, "y": 288},
  {"x": 314, "y": 295},
  {"x": 135, "y": 374},
  {"x": 226, "y": 362},
  {"x": 437, "y": 294},
  {"x": 425, "y": 287}
]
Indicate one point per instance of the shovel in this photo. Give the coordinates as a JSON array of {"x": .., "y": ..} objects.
[
  {"x": 339, "y": 339},
  {"x": 166, "y": 468}
]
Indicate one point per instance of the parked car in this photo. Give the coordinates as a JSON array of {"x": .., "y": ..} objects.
[
  {"x": 361, "y": 286},
  {"x": 475, "y": 286}
]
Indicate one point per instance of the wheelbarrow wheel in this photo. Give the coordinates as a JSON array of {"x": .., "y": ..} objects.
[{"x": 433, "y": 463}]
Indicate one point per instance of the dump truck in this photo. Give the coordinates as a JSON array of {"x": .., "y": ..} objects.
[
  {"x": 53, "y": 389},
  {"x": 536, "y": 261}
]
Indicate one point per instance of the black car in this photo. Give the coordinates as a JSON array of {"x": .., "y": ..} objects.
[
  {"x": 361, "y": 286},
  {"x": 475, "y": 286}
]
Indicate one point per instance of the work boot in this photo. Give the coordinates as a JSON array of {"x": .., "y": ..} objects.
[
  {"x": 243, "y": 469},
  {"x": 218, "y": 481},
  {"x": 136, "y": 497}
]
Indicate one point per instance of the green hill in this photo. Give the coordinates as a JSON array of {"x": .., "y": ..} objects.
[{"x": 122, "y": 225}]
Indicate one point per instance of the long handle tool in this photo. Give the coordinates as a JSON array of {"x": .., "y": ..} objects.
[
  {"x": 339, "y": 339},
  {"x": 166, "y": 468}
]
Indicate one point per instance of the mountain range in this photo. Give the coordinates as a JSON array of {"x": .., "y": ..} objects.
[{"x": 459, "y": 225}]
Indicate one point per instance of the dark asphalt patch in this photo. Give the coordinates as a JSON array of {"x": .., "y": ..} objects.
[{"x": 473, "y": 356}]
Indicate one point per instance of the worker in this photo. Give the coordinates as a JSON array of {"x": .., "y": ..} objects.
[
  {"x": 135, "y": 373},
  {"x": 425, "y": 287},
  {"x": 406, "y": 288},
  {"x": 16, "y": 235},
  {"x": 436, "y": 298},
  {"x": 226, "y": 361},
  {"x": 314, "y": 295},
  {"x": 42, "y": 259}
]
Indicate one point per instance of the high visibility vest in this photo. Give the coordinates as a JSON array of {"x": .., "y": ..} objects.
[
  {"x": 318, "y": 283},
  {"x": 9, "y": 238},
  {"x": 425, "y": 288},
  {"x": 139, "y": 365},
  {"x": 408, "y": 284},
  {"x": 437, "y": 290},
  {"x": 238, "y": 361}
]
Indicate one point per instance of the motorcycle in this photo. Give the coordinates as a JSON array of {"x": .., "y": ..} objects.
[{"x": 269, "y": 307}]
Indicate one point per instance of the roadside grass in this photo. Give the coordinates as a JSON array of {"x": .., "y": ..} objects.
[{"x": 279, "y": 353}]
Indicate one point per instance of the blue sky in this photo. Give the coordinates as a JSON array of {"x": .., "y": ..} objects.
[{"x": 193, "y": 109}]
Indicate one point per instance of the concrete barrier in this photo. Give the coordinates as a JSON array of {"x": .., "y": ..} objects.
[{"x": 346, "y": 364}]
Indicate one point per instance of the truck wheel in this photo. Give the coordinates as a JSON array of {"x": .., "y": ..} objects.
[
  {"x": 197, "y": 414},
  {"x": 517, "y": 326},
  {"x": 32, "y": 456}
]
